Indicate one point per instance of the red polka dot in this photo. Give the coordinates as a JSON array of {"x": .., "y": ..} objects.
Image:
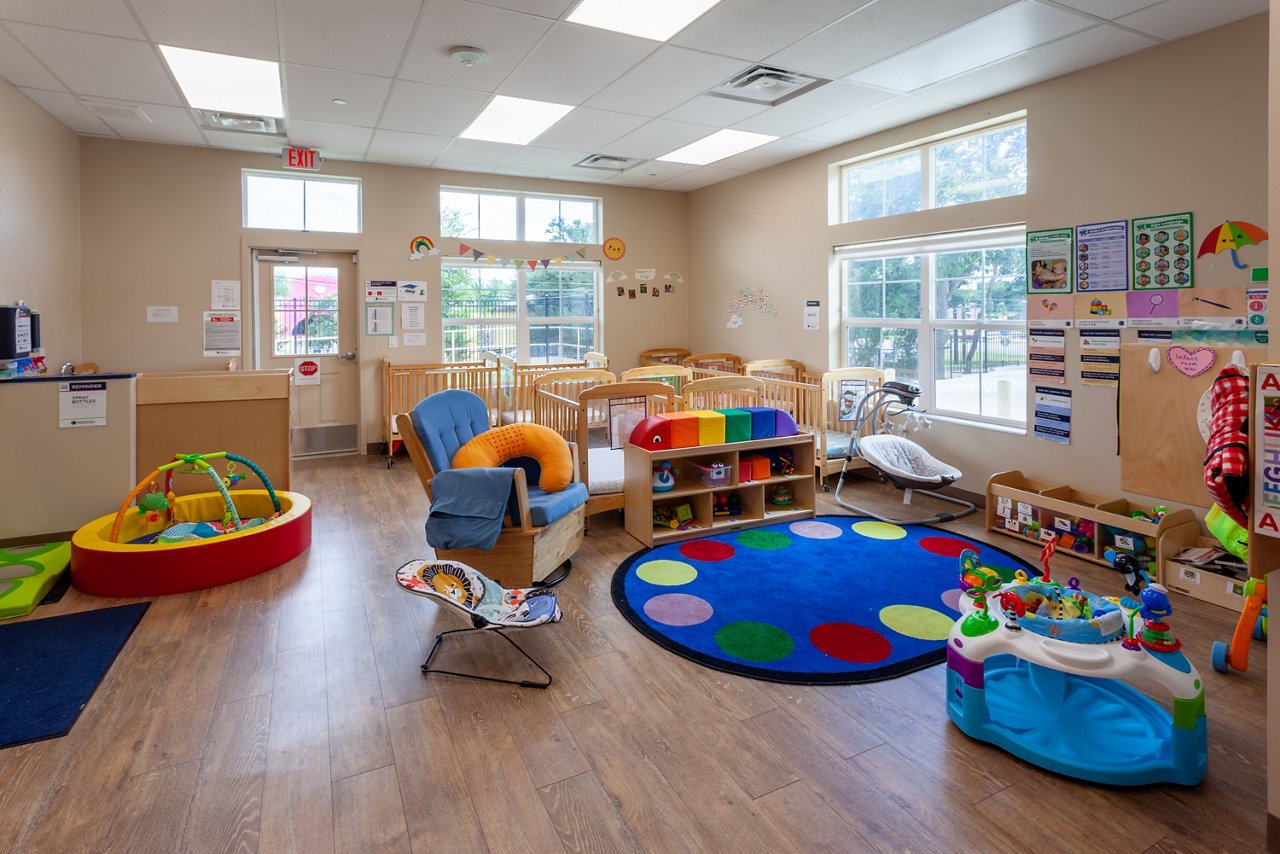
[
  {"x": 946, "y": 546},
  {"x": 848, "y": 642},
  {"x": 706, "y": 550}
]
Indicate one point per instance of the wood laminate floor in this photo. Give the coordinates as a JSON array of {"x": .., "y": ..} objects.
[{"x": 287, "y": 713}]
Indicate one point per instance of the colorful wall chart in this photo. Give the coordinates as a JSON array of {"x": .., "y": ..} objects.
[
  {"x": 1053, "y": 414},
  {"x": 1049, "y": 268},
  {"x": 1100, "y": 357},
  {"x": 1162, "y": 252},
  {"x": 1101, "y": 310},
  {"x": 1102, "y": 256},
  {"x": 1047, "y": 355}
]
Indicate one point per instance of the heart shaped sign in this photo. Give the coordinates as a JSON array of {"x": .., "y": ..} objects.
[{"x": 1191, "y": 363}]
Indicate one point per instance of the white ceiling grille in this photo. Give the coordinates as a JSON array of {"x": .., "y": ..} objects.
[
  {"x": 764, "y": 84},
  {"x": 607, "y": 162},
  {"x": 264, "y": 125},
  {"x": 115, "y": 112}
]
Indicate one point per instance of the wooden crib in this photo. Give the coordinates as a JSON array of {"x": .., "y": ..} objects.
[
  {"x": 663, "y": 356},
  {"x": 713, "y": 364},
  {"x": 676, "y": 376},
  {"x": 516, "y": 386},
  {"x": 404, "y": 385}
]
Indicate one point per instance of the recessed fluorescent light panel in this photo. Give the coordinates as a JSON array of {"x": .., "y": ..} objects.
[
  {"x": 653, "y": 19},
  {"x": 514, "y": 120},
  {"x": 232, "y": 84},
  {"x": 718, "y": 146}
]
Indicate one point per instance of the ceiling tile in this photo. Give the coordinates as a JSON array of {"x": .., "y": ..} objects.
[
  {"x": 877, "y": 31},
  {"x": 66, "y": 108},
  {"x": 544, "y": 8},
  {"x": 890, "y": 114},
  {"x": 20, "y": 68},
  {"x": 573, "y": 62},
  {"x": 538, "y": 162},
  {"x": 704, "y": 176},
  {"x": 341, "y": 141},
  {"x": 168, "y": 124},
  {"x": 589, "y": 129},
  {"x": 406, "y": 149},
  {"x": 1108, "y": 8},
  {"x": 364, "y": 37},
  {"x": 580, "y": 175},
  {"x": 769, "y": 154},
  {"x": 754, "y": 29},
  {"x": 235, "y": 27},
  {"x": 1175, "y": 19},
  {"x": 419, "y": 108},
  {"x": 245, "y": 141},
  {"x": 656, "y": 138},
  {"x": 648, "y": 174},
  {"x": 714, "y": 111},
  {"x": 100, "y": 65},
  {"x": 816, "y": 107},
  {"x": 312, "y": 90},
  {"x": 507, "y": 36},
  {"x": 665, "y": 79},
  {"x": 1009, "y": 31},
  {"x": 104, "y": 17},
  {"x": 1091, "y": 47},
  {"x": 475, "y": 155}
]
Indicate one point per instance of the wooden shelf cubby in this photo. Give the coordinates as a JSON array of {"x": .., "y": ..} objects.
[{"x": 753, "y": 496}]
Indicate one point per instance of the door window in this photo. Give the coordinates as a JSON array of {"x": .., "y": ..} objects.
[{"x": 305, "y": 311}]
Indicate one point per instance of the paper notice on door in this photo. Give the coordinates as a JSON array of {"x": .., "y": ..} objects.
[
  {"x": 221, "y": 333},
  {"x": 413, "y": 315}
]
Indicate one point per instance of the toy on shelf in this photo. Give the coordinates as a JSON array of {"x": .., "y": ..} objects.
[
  {"x": 1045, "y": 683},
  {"x": 664, "y": 476},
  {"x": 669, "y": 430},
  {"x": 727, "y": 504},
  {"x": 782, "y": 462},
  {"x": 175, "y": 544},
  {"x": 782, "y": 494},
  {"x": 678, "y": 517}
]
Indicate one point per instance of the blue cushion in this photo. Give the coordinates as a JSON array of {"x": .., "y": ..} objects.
[
  {"x": 546, "y": 507},
  {"x": 764, "y": 421},
  {"x": 447, "y": 420}
]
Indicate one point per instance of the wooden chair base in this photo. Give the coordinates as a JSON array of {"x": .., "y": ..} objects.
[{"x": 523, "y": 559}]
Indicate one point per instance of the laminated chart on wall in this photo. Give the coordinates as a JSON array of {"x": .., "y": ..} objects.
[
  {"x": 1266, "y": 469},
  {"x": 1053, "y": 414},
  {"x": 1101, "y": 311},
  {"x": 1050, "y": 311},
  {"x": 379, "y": 319},
  {"x": 221, "y": 333},
  {"x": 1100, "y": 357},
  {"x": 1102, "y": 256},
  {"x": 1047, "y": 355},
  {"x": 1162, "y": 252},
  {"x": 1049, "y": 262}
]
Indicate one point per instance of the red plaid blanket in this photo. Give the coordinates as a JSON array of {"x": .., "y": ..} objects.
[{"x": 1226, "y": 465}]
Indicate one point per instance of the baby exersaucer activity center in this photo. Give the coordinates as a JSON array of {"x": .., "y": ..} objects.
[
  {"x": 1045, "y": 679},
  {"x": 159, "y": 543}
]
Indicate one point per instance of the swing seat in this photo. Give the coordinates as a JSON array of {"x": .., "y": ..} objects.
[{"x": 906, "y": 464}]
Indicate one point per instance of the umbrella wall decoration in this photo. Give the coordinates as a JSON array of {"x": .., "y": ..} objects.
[{"x": 1232, "y": 234}]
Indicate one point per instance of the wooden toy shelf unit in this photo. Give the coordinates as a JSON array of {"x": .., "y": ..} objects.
[
  {"x": 1015, "y": 502},
  {"x": 754, "y": 497}
]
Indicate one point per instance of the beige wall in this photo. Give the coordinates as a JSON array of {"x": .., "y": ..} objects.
[
  {"x": 40, "y": 220},
  {"x": 1096, "y": 151},
  {"x": 1273, "y": 579},
  {"x": 160, "y": 222}
]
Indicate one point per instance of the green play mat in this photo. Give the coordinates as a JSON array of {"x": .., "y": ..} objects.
[{"x": 27, "y": 573}]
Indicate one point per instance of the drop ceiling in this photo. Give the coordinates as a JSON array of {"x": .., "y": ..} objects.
[{"x": 889, "y": 62}]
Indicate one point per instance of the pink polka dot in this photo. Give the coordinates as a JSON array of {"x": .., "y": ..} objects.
[
  {"x": 706, "y": 550},
  {"x": 951, "y": 598},
  {"x": 946, "y": 546},
  {"x": 678, "y": 609},
  {"x": 848, "y": 642}
]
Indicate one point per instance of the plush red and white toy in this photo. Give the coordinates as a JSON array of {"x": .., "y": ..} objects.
[{"x": 1226, "y": 464}]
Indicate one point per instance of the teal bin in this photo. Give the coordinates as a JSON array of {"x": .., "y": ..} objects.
[{"x": 737, "y": 425}]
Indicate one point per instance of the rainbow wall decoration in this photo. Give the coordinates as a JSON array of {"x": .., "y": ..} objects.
[{"x": 420, "y": 247}]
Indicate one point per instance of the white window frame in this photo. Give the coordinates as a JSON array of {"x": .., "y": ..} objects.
[
  {"x": 1003, "y": 237},
  {"x": 293, "y": 176},
  {"x": 521, "y": 196},
  {"x": 522, "y": 320},
  {"x": 925, "y": 149}
]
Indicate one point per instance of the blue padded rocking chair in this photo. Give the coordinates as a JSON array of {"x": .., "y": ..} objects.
[{"x": 543, "y": 529}]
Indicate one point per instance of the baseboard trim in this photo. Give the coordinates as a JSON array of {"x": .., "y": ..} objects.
[{"x": 1273, "y": 834}]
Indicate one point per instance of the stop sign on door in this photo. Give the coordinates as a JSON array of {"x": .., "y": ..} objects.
[{"x": 306, "y": 372}]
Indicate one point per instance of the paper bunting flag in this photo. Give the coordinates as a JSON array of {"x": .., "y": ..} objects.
[
  {"x": 463, "y": 249},
  {"x": 582, "y": 253},
  {"x": 533, "y": 264},
  {"x": 476, "y": 254}
]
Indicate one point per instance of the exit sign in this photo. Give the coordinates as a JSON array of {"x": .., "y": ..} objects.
[{"x": 301, "y": 158}]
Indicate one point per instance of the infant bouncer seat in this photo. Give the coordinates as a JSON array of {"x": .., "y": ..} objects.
[{"x": 901, "y": 461}]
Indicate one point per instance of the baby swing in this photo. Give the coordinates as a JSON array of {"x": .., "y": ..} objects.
[{"x": 905, "y": 464}]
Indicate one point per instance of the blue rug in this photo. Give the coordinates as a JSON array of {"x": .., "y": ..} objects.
[
  {"x": 50, "y": 668},
  {"x": 834, "y": 600}
]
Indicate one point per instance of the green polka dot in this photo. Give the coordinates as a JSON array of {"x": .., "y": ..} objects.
[
  {"x": 879, "y": 530},
  {"x": 754, "y": 641},
  {"x": 764, "y": 540},
  {"x": 915, "y": 621},
  {"x": 666, "y": 573}
]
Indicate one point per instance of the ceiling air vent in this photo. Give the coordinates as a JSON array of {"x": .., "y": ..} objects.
[
  {"x": 116, "y": 112},
  {"x": 264, "y": 125},
  {"x": 607, "y": 162},
  {"x": 764, "y": 84}
]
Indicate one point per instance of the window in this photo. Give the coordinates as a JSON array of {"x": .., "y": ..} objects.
[
  {"x": 304, "y": 316},
  {"x": 948, "y": 311},
  {"x": 295, "y": 203},
  {"x": 487, "y": 215},
  {"x": 991, "y": 164},
  {"x": 544, "y": 315}
]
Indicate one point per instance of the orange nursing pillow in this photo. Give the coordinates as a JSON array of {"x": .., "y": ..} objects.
[{"x": 494, "y": 447}]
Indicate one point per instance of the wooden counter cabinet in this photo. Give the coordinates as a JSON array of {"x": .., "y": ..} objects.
[{"x": 752, "y": 498}]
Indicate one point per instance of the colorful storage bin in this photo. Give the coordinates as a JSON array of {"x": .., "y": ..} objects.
[
  {"x": 737, "y": 425},
  {"x": 753, "y": 467}
]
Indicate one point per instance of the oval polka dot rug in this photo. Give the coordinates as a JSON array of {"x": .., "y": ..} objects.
[{"x": 834, "y": 600}]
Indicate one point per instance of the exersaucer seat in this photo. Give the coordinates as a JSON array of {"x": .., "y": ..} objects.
[
  {"x": 905, "y": 463},
  {"x": 488, "y": 605}
]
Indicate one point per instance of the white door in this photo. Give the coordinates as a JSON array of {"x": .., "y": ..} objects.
[{"x": 307, "y": 321}]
